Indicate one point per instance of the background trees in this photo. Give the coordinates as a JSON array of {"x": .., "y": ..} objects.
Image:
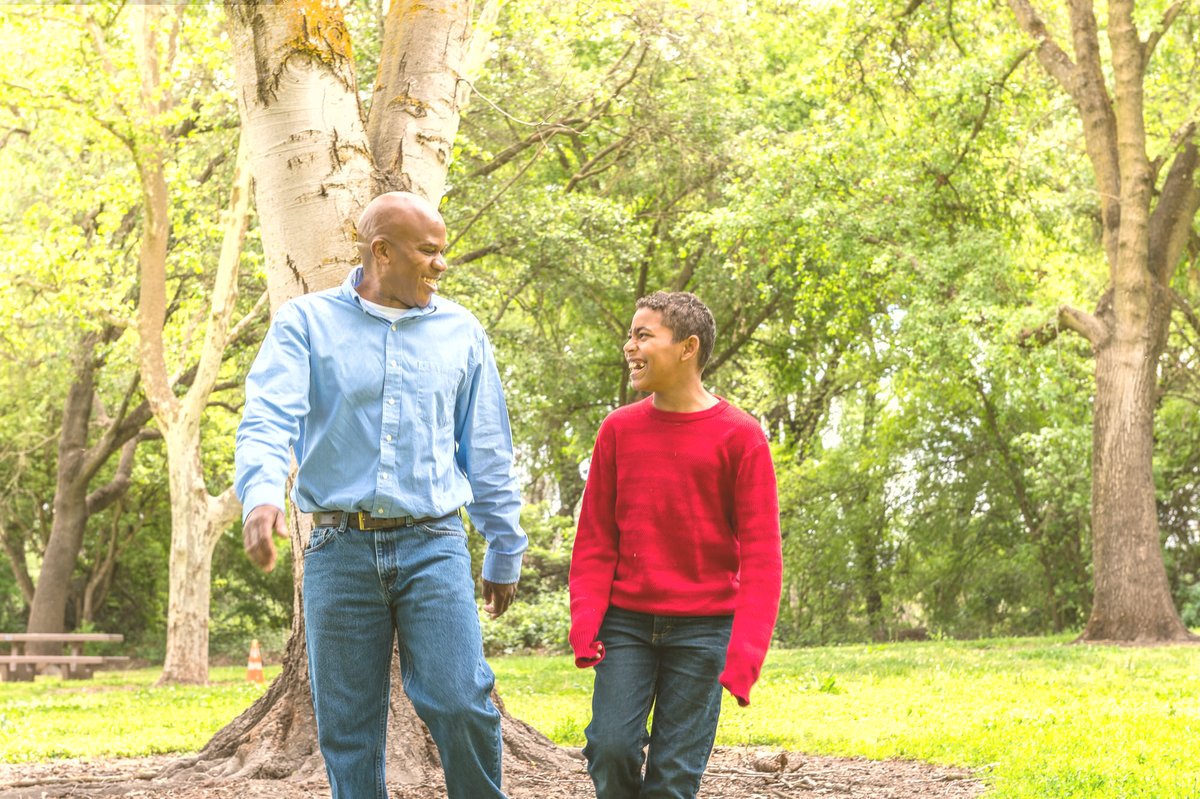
[{"x": 885, "y": 207}]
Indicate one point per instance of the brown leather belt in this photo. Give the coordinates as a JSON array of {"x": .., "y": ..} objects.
[{"x": 365, "y": 521}]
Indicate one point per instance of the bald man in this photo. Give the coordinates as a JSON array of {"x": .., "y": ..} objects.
[{"x": 389, "y": 395}]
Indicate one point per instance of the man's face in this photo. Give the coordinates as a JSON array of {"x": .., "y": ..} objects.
[
  {"x": 655, "y": 360},
  {"x": 411, "y": 259}
]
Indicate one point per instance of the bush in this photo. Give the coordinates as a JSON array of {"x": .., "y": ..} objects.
[{"x": 538, "y": 625}]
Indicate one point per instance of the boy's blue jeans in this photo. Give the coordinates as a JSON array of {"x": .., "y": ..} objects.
[
  {"x": 365, "y": 590},
  {"x": 673, "y": 664}
]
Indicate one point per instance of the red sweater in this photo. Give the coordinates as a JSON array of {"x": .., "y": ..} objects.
[{"x": 680, "y": 518}]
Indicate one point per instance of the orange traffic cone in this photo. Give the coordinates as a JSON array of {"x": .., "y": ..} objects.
[{"x": 254, "y": 670}]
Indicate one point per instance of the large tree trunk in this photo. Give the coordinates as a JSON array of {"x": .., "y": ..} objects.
[
  {"x": 1143, "y": 236},
  {"x": 313, "y": 174},
  {"x": 1132, "y": 598}
]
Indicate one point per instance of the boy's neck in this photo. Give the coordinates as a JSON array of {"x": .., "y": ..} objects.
[{"x": 687, "y": 397}]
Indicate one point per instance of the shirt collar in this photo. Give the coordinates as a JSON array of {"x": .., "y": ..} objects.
[{"x": 349, "y": 292}]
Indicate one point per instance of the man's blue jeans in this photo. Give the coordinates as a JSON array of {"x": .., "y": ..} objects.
[
  {"x": 365, "y": 590},
  {"x": 673, "y": 664}
]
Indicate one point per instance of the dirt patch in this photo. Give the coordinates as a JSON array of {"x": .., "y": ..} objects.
[{"x": 733, "y": 773}]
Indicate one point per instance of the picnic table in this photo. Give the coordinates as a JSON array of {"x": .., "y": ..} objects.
[{"x": 16, "y": 664}]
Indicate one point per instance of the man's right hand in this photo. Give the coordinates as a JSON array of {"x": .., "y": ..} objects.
[{"x": 256, "y": 535}]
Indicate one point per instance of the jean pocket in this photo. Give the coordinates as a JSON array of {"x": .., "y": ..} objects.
[
  {"x": 451, "y": 527},
  {"x": 319, "y": 538}
]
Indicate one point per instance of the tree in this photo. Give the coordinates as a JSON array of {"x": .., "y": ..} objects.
[
  {"x": 1147, "y": 211},
  {"x": 314, "y": 170},
  {"x": 197, "y": 517},
  {"x": 78, "y": 464},
  {"x": 80, "y": 230}
]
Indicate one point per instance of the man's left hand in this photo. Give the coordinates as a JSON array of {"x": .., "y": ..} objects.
[{"x": 497, "y": 597}]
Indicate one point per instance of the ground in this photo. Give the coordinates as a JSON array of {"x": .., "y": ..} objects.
[{"x": 733, "y": 773}]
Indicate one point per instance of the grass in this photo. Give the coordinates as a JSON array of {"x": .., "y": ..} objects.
[
  {"x": 118, "y": 713},
  {"x": 1036, "y": 717}
]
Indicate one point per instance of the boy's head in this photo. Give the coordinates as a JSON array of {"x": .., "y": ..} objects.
[
  {"x": 686, "y": 315},
  {"x": 671, "y": 337}
]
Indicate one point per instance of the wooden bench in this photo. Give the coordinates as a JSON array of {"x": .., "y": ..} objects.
[{"x": 17, "y": 665}]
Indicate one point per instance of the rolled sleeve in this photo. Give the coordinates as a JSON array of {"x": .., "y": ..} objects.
[
  {"x": 276, "y": 402},
  {"x": 485, "y": 454}
]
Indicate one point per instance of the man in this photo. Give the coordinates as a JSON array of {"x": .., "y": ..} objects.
[
  {"x": 676, "y": 568},
  {"x": 390, "y": 396}
]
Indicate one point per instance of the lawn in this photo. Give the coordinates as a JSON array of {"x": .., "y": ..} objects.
[{"x": 1036, "y": 717}]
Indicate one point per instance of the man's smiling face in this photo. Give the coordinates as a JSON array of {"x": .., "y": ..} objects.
[{"x": 413, "y": 260}]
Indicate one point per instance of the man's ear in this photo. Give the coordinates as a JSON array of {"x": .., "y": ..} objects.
[
  {"x": 691, "y": 347},
  {"x": 379, "y": 249}
]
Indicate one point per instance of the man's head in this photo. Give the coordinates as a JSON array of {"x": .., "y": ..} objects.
[
  {"x": 402, "y": 240},
  {"x": 670, "y": 339}
]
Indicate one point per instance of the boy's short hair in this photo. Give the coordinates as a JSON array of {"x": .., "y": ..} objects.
[{"x": 686, "y": 315}]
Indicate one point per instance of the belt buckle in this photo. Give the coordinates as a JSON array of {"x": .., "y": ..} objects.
[{"x": 363, "y": 520}]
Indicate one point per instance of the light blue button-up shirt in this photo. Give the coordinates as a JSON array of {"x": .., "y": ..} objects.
[{"x": 403, "y": 418}]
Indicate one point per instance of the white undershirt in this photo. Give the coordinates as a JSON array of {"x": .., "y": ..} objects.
[{"x": 386, "y": 311}]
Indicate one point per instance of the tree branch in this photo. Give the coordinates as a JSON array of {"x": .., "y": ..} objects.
[
  {"x": 1172, "y": 218},
  {"x": 744, "y": 336},
  {"x": 223, "y": 510},
  {"x": 1083, "y": 323},
  {"x": 1189, "y": 313},
  {"x": 224, "y": 295},
  {"x": 1051, "y": 55},
  {"x": 987, "y": 106},
  {"x": 104, "y": 496},
  {"x": 238, "y": 330},
  {"x": 1156, "y": 35},
  {"x": 475, "y": 255}
]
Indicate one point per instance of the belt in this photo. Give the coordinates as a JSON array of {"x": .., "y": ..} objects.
[{"x": 365, "y": 521}]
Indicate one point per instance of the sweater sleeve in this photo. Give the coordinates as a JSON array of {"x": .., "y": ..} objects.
[
  {"x": 756, "y": 508},
  {"x": 594, "y": 555}
]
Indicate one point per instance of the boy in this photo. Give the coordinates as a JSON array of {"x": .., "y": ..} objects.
[{"x": 676, "y": 570}]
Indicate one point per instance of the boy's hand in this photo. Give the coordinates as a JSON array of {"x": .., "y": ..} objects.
[
  {"x": 256, "y": 535},
  {"x": 586, "y": 661},
  {"x": 497, "y": 597}
]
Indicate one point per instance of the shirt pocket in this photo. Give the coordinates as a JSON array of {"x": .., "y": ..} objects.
[{"x": 437, "y": 392}]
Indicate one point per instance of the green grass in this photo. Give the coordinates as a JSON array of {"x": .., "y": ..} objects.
[
  {"x": 118, "y": 713},
  {"x": 1036, "y": 717}
]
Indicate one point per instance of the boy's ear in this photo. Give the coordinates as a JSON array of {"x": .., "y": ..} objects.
[{"x": 691, "y": 347}]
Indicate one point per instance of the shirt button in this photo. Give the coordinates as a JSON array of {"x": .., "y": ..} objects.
[
  {"x": 391, "y": 400},
  {"x": 383, "y": 477},
  {"x": 379, "y": 510},
  {"x": 389, "y": 438},
  {"x": 393, "y": 363},
  {"x": 393, "y": 327}
]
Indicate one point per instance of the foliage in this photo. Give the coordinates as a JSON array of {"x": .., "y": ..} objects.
[
  {"x": 884, "y": 211},
  {"x": 70, "y": 232},
  {"x": 539, "y": 618},
  {"x": 248, "y": 603},
  {"x": 538, "y": 624}
]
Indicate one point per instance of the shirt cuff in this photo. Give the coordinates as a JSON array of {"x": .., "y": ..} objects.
[
  {"x": 500, "y": 568},
  {"x": 261, "y": 494}
]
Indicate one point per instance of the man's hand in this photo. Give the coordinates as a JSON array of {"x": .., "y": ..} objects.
[
  {"x": 497, "y": 597},
  {"x": 256, "y": 535}
]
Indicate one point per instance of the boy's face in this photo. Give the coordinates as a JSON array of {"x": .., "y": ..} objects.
[{"x": 656, "y": 362}]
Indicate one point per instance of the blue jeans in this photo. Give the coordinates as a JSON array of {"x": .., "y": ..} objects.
[
  {"x": 673, "y": 664},
  {"x": 366, "y": 590}
]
